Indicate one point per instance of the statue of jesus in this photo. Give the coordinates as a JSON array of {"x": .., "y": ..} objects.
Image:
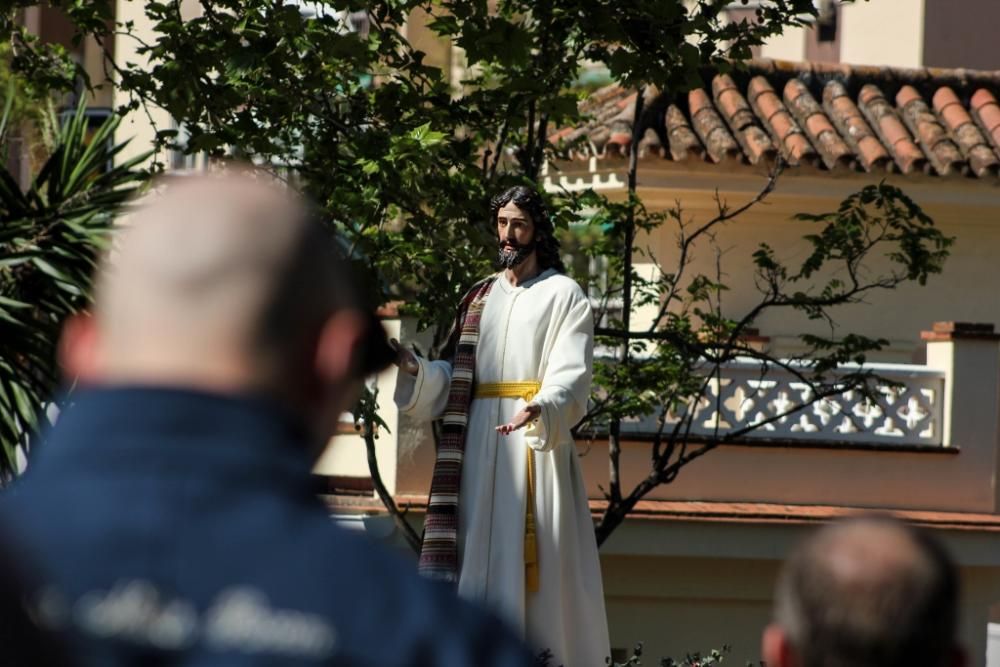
[{"x": 508, "y": 518}]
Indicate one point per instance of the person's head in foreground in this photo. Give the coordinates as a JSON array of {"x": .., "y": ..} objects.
[
  {"x": 227, "y": 283},
  {"x": 865, "y": 592}
]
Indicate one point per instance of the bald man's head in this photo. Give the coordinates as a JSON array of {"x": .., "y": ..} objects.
[
  {"x": 225, "y": 282},
  {"x": 867, "y": 592}
]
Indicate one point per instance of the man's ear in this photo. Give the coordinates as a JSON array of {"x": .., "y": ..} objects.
[
  {"x": 78, "y": 349},
  {"x": 337, "y": 350},
  {"x": 775, "y": 649}
]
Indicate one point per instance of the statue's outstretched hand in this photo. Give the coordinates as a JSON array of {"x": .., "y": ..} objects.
[
  {"x": 523, "y": 418},
  {"x": 405, "y": 360}
]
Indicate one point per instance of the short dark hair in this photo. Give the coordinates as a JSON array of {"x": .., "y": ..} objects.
[
  {"x": 842, "y": 603},
  {"x": 530, "y": 201}
]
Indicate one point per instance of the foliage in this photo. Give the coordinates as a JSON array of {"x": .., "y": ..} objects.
[
  {"x": 50, "y": 236},
  {"x": 405, "y": 167},
  {"x": 403, "y": 160},
  {"x": 696, "y": 659}
]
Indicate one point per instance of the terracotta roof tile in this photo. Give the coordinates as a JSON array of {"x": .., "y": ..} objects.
[
  {"x": 683, "y": 142},
  {"x": 933, "y": 138},
  {"x": 974, "y": 145},
  {"x": 821, "y": 131},
  {"x": 710, "y": 127},
  {"x": 562, "y": 134},
  {"x": 650, "y": 144},
  {"x": 851, "y": 124},
  {"x": 870, "y": 118},
  {"x": 599, "y": 137},
  {"x": 619, "y": 140},
  {"x": 784, "y": 130},
  {"x": 605, "y": 94},
  {"x": 986, "y": 111},
  {"x": 744, "y": 123},
  {"x": 891, "y": 129}
]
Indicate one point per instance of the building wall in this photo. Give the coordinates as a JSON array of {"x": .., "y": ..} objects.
[
  {"x": 678, "y": 605},
  {"x": 883, "y": 32},
  {"x": 680, "y": 586},
  {"x": 961, "y": 34},
  {"x": 789, "y": 45},
  {"x": 142, "y": 124},
  {"x": 692, "y": 586},
  {"x": 966, "y": 210},
  {"x": 346, "y": 454},
  {"x": 901, "y": 33}
]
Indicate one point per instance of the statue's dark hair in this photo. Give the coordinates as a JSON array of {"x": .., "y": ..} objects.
[{"x": 531, "y": 202}]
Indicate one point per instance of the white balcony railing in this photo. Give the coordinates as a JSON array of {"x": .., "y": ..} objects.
[{"x": 908, "y": 413}]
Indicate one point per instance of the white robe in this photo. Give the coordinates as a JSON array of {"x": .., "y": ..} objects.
[{"x": 540, "y": 330}]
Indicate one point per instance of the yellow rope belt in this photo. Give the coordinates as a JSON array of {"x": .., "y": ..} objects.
[{"x": 525, "y": 390}]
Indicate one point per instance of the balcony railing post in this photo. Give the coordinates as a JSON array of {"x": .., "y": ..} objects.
[{"x": 969, "y": 356}]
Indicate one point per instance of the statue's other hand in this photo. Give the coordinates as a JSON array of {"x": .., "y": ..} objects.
[
  {"x": 405, "y": 360},
  {"x": 521, "y": 419}
]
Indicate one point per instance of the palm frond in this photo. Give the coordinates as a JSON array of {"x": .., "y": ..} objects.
[{"x": 50, "y": 238}]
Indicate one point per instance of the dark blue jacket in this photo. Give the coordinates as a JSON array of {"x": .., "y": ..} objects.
[{"x": 177, "y": 527}]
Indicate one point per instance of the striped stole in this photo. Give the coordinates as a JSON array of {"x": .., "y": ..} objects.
[{"x": 439, "y": 551}]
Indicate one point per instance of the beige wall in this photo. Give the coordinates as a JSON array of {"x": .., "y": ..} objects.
[
  {"x": 960, "y": 477},
  {"x": 346, "y": 454},
  {"x": 790, "y": 45},
  {"x": 965, "y": 209},
  {"x": 685, "y": 604},
  {"x": 883, "y": 32},
  {"x": 683, "y": 586},
  {"x": 892, "y": 32},
  {"x": 906, "y": 33},
  {"x": 438, "y": 51},
  {"x": 141, "y": 125}
]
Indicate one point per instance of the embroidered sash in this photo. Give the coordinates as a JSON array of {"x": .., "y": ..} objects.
[{"x": 439, "y": 550}]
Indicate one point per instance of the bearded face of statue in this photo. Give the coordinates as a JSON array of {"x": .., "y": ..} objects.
[{"x": 515, "y": 234}]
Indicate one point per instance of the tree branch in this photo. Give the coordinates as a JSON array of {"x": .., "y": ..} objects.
[{"x": 409, "y": 534}]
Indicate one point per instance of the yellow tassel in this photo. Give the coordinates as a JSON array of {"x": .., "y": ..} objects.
[{"x": 531, "y": 580}]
